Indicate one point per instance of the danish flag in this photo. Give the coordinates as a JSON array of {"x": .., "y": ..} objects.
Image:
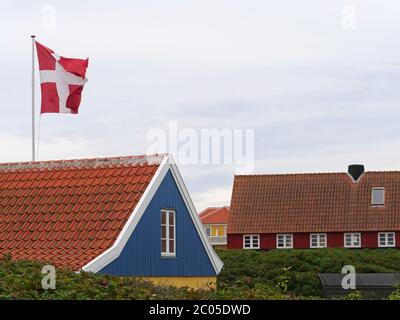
[{"x": 61, "y": 80}]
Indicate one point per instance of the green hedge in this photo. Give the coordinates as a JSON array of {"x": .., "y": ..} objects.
[
  {"x": 22, "y": 280},
  {"x": 275, "y": 274},
  {"x": 250, "y": 268}
]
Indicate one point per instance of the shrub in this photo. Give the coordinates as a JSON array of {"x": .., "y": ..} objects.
[
  {"x": 22, "y": 280},
  {"x": 265, "y": 267},
  {"x": 355, "y": 295},
  {"x": 395, "y": 295},
  {"x": 247, "y": 274}
]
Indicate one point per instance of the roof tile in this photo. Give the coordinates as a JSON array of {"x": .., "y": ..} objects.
[
  {"x": 318, "y": 202},
  {"x": 215, "y": 215},
  {"x": 68, "y": 212}
]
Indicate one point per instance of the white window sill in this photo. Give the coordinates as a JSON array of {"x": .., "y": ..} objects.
[{"x": 166, "y": 255}]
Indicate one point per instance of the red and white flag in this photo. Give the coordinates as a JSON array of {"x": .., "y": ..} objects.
[{"x": 61, "y": 80}]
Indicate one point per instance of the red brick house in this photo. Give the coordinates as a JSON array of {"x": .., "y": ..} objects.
[{"x": 353, "y": 209}]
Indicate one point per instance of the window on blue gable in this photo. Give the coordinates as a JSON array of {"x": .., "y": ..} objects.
[{"x": 168, "y": 233}]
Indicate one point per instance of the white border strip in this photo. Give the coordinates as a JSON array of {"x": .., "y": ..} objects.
[
  {"x": 215, "y": 259},
  {"x": 113, "y": 252}
]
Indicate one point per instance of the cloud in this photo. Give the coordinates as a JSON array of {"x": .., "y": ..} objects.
[
  {"x": 214, "y": 197},
  {"x": 316, "y": 95},
  {"x": 19, "y": 148}
]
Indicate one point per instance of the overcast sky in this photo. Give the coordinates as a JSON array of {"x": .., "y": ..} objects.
[{"x": 318, "y": 81}]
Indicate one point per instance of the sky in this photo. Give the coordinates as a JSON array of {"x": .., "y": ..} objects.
[{"x": 315, "y": 81}]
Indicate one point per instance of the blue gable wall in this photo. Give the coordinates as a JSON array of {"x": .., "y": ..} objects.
[{"x": 142, "y": 253}]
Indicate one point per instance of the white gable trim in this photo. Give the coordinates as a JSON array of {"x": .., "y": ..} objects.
[
  {"x": 113, "y": 252},
  {"x": 214, "y": 258}
]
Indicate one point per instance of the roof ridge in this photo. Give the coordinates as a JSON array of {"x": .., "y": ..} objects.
[
  {"x": 84, "y": 162},
  {"x": 206, "y": 214},
  {"x": 309, "y": 173},
  {"x": 213, "y": 210},
  {"x": 217, "y": 215}
]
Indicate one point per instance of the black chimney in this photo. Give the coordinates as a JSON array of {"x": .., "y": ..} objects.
[{"x": 356, "y": 170}]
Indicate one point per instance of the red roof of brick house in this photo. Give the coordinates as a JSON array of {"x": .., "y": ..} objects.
[
  {"x": 214, "y": 215},
  {"x": 315, "y": 202},
  {"x": 68, "y": 212}
]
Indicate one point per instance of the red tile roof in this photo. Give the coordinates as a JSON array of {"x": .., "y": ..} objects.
[
  {"x": 319, "y": 202},
  {"x": 69, "y": 212},
  {"x": 214, "y": 215}
]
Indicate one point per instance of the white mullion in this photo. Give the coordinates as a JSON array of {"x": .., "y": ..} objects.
[
  {"x": 164, "y": 225},
  {"x": 249, "y": 240},
  {"x": 174, "y": 214},
  {"x": 168, "y": 224},
  {"x": 167, "y": 232}
]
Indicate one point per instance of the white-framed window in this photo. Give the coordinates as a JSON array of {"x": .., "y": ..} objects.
[
  {"x": 318, "y": 240},
  {"x": 352, "y": 240},
  {"x": 284, "y": 241},
  {"x": 386, "y": 239},
  {"x": 208, "y": 231},
  {"x": 378, "y": 196},
  {"x": 168, "y": 233},
  {"x": 251, "y": 241}
]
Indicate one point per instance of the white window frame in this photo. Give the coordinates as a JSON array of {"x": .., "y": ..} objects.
[
  {"x": 386, "y": 245},
  {"x": 318, "y": 235},
  {"x": 372, "y": 197},
  {"x": 167, "y": 225},
  {"x": 285, "y": 237},
  {"x": 352, "y": 240},
  {"x": 205, "y": 229},
  {"x": 252, "y": 237}
]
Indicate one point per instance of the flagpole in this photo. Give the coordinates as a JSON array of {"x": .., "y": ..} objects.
[{"x": 33, "y": 97}]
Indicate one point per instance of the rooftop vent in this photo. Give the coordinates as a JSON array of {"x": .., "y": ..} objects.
[{"x": 356, "y": 170}]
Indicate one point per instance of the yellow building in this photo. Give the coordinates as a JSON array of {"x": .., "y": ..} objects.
[{"x": 215, "y": 222}]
